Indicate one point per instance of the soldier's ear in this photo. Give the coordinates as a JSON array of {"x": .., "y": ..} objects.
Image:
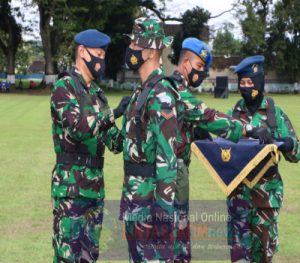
[
  {"x": 81, "y": 51},
  {"x": 186, "y": 63}
]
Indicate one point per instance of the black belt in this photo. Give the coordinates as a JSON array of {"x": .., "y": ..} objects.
[
  {"x": 139, "y": 169},
  {"x": 80, "y": 159}
]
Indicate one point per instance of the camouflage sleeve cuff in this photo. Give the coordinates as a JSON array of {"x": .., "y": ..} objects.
[
  {"x": 294, "y": 155},
  {"x": 106, "y": 119},
  {"x": 237, "y": 131}
]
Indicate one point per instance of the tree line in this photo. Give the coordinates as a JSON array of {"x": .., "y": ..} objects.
[{"x": 269, "y": 28}]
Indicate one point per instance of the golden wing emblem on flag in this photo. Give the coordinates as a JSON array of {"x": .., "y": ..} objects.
[{"x": 226, "y": 154}]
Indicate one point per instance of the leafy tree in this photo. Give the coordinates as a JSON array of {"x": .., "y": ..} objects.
[
  {"x": 27, "y": 52},
  {"x": 194, "y": 23},
  {"x": 284, "y": 40},
  {"x": 10, "y": 35},
  {"x": 2, "y": 62},
  {"x": 60, "y": 20},
  {"x": 22, "y": 58},
  {"x": 225, "y": 44},
  {"x": 254, "y": 16},
  {"x": 273, "y": 30}
]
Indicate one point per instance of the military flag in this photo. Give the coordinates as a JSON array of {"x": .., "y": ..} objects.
[{"x": 231, "y": 163}]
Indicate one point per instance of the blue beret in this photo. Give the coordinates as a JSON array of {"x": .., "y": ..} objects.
[
  {"x": 92, "y": 38},
  {"x": 250, "y": 66},
  {"x": 200, "y": 48}
]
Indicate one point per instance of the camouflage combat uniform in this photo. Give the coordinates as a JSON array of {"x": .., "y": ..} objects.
[
  {"x": 197, "y": 114},
  {"x": 150, "y": 130},
  {"x": 253, "y": 213},
  {"x": 82, "y": 125},
  {"x": 148, "y": 201}
]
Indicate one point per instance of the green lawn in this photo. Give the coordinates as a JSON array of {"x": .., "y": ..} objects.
[{"x": 27, "y": 158}]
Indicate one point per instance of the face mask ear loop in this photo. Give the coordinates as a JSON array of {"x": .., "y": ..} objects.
[{"x": 187, "y": 73}]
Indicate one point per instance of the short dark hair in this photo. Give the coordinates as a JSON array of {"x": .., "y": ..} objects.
[{"x": 182, "y": 55}]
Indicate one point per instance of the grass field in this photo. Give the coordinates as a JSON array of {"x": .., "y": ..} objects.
[{"x": 27, "y": 158}]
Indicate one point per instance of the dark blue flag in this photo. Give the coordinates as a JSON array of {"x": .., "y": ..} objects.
[{"x": 231, "y": 163}]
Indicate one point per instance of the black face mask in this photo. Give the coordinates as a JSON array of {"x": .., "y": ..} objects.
[
  {"x": 196, "y": 77},
  {"x": 134, "y": 59},
  {"x": 92, "y": 63},
  {"x": 250, "y": 94},
  {"x": 253, "y": 96}
]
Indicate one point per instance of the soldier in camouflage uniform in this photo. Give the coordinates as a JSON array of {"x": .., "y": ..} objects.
[
  {"x": 82, "y": 124},
  {"x": 150, "y": 131},
  {"x": 253, "y": 213},
  {"x": 195, "y": 59}
]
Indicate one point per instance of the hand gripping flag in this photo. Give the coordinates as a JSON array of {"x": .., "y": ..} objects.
[{"x": 231, "y": 163}]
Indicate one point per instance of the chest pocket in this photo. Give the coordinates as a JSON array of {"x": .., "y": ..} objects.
[
  {"x": 86, "y": 104},
  {"x": 90, "y": 103}
]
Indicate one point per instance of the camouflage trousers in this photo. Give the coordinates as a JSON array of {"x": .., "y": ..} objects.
[
  {"x": 150, "y": 241},
  {"x": 253, "y": 234},
  {"x": 77, "y": 226},
  {"x": 182, "y": 246}
]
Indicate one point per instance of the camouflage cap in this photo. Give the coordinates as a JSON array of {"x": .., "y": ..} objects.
[{"x": 149, "y": 33}]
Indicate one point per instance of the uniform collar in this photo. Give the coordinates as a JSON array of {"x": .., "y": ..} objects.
[
  {"x": 158, "y": 71},
  {"x": 182, "y": 80},
  {"x": 263, "y": 106},
  {"x": 93, "y": 87}
]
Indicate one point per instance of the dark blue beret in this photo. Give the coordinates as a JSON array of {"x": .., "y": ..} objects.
[
  {"x": 200, "y": 48},
  {"x": 250, "y": 66},
  {"x": 92, "y": 38}
]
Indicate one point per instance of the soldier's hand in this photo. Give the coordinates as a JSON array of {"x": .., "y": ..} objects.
[
  {"x": 287, "y": 145},
  {"x": 119, "y": 111},
  {"x": 200, "y": 134},
  {"x": 262, "y": 134}
]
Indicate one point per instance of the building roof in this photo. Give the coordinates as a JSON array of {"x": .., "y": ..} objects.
[
  {"x": 220, "y": 62},
  {"x": 37, "y": 66}
]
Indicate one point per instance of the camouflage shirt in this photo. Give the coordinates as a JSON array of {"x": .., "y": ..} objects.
[
  {"x": 82, "y": 128},
  {"x": 197, "y": 114},
  {"x": 268, "y": 192},
  {"x": 140, "y": 194}
]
